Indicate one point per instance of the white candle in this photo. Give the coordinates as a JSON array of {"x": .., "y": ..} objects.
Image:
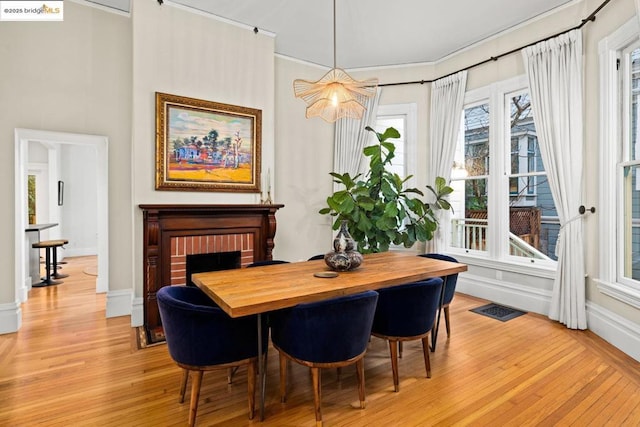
[{"x": 268, "y": 181}]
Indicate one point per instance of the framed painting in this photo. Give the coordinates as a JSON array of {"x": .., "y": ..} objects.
[{"x": 206, "y": 146}]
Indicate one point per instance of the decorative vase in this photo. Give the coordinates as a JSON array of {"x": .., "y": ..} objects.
[{"x": 344, "y": 256}]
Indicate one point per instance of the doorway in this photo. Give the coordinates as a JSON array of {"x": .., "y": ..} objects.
[{"x": 55, "y": 139}]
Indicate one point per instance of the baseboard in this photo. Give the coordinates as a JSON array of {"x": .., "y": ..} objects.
[
  {"x": 137, "y": 312},
  {"x": 616, "y": 330},
  {"x": 23, "y": 292},
  {"x": 74, "y": 252},
  {"x": 101, "y": 285},
  {"x": 505, "y": 293},
  {"x": 119, "y": 303},
  {"x": 10, "y": 317}
]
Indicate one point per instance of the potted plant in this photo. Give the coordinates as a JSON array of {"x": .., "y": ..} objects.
[{"x": 376, "y": 207}]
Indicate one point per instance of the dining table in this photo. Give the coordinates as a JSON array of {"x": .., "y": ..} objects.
[{"x": 259, "y": 290}]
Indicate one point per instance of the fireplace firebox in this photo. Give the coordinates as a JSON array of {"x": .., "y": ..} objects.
[{"x": 201, "y": 263}]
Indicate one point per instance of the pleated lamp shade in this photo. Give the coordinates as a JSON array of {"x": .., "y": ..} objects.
[{"x": 336, "y": 95}]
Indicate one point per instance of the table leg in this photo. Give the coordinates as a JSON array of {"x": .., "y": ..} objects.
[
  {"x": 434, "y": 331},
  {"x": 262, "y": 368}
]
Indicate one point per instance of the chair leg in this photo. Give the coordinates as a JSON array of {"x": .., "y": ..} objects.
[
  {"x": 183, "y": 384},
  {"x": 360, "y": 376},
  {"x": 393, "y": 349},
  {"x": 317, "y": 394},
  {"x": 251, "y": 386},
  {"x": 54, "y": 268},
  {"x": 195, "y": 396},
  {"x": 446, "y": 320},
  {"x": 339, "y": 374},
  {"x": 283, "y": 378},
  {"x": 400, "y": 349},
  {"x": 425, "y": 351},
  {"x": 230, "y": 373}
]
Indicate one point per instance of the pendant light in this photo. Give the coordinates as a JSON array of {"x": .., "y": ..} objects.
[{"x": 336, "y": 94}]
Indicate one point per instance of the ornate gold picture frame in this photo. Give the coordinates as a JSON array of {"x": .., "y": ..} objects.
[{"x": 206, "y": 146}]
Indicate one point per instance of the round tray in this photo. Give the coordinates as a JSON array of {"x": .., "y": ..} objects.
[{"x": 326, "y": 274}]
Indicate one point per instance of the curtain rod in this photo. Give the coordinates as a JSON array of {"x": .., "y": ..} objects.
[{"x": 589, "y": 18}]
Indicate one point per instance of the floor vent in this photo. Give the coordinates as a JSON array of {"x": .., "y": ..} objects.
[{"x": 500, "y": 312}]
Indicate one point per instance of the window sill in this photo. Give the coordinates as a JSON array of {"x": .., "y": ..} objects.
[
  {"x": 545, "y": 271},
  {"x": 620, "y": 292}
]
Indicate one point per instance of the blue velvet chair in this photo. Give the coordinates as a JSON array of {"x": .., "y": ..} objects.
[
  {"x": 324, "y": 334},
  {"x": 449, "y": 289},
  {"x": 267, "y": 262},
  {"x": 201, "y": 337},
  {"x": 404, "y": 313}
]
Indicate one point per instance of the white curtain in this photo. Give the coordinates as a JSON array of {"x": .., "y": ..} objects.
[
  {"x": 351, "y": 138},
  {"x": 554, "y": 70},
  {"x": 447, "y": 101}
]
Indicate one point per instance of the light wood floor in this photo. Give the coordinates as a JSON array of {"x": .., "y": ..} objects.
[{"x": 70, "y": 366}]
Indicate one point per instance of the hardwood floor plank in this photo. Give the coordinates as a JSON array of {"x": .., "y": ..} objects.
[{"x": 68, "y": 365}]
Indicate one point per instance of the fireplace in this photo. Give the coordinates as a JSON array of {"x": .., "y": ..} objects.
[{"x": 175, "y": 233}]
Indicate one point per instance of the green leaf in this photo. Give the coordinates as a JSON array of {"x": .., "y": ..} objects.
[
  {"x": 391, "y": 210},
  {"x": 347, "y": 205},
  {"x": 366, "y": 203},
  {"x": 371, "y": 150},
  {"x": 390, "y": 133}
]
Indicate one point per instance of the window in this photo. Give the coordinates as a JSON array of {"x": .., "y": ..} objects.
[
  {"x": 619, "y": 192},
  {"x": 402, "y": 117},
  {"x": 629, "y": 234},
  {"x": 470, "y": 221},
  {"x": 503, "y": 208}
]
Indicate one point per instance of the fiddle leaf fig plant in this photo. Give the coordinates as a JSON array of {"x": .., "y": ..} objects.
[{"x": 377, "y": 207}]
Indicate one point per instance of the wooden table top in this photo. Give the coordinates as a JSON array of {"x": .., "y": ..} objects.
[{"x": 246, "y": 291}]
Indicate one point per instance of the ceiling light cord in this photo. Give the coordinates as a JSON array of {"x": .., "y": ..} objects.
[
  {"x": 336, "y": 95},
  {"x": 334, "y": 34},
  {"x": 590, "y": 18}
]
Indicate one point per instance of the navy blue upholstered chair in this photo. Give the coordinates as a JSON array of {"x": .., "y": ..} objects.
[
  {"x": 404, "y": 313},
  {"x": 201, "y": 337},
  {"x": 267, "y": 262},
  {"x": 324, "y": 334},
  {"x": 449, "y": 287}
]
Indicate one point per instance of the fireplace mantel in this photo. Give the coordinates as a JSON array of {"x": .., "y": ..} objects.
[{"x": 164, "y": 224}]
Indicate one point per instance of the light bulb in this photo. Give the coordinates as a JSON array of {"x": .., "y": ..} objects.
[{"x": 334, "y": 98}]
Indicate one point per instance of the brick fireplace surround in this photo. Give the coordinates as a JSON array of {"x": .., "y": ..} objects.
[{"x": 171, "y": 232}]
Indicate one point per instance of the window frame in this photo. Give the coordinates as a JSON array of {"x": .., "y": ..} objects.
[
  {"x": 611, "y": 213},
  {"x": 496, "y": 255},
  {"x": 410, "y": 112}
]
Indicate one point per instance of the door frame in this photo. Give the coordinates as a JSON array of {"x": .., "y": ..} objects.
[{"x": 100, "y": 143}]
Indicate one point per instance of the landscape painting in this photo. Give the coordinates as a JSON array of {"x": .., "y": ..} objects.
[{"x": 206, "y": 146}]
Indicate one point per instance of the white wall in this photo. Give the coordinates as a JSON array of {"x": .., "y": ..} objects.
[
  {"x": 79, "y": 216},
  {"x": 304, "y": 158},
  {"x": 70, "y": 76},
  {"x": 183, "y": 52}
]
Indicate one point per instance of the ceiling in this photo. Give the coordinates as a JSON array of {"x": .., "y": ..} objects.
[{"x": 371, "y": 33}]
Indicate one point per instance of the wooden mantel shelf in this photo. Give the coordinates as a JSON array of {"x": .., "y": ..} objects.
[{"x": 162, "y": 222}]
